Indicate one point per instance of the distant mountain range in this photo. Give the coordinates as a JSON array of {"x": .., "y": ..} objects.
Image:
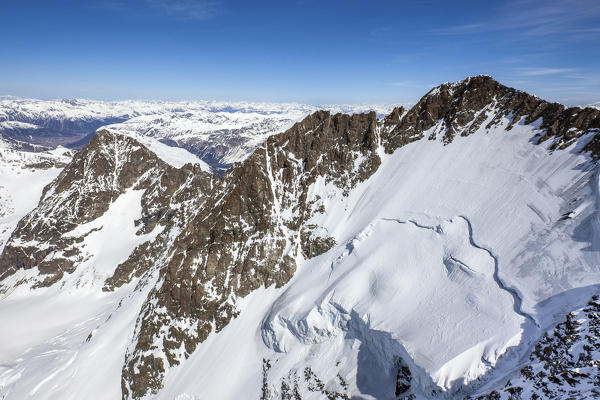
[
  {"x": 219, "y": 133},
  {"x": 594, "y": 105}
]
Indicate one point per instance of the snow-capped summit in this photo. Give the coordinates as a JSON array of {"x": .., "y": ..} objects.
[{"x": 420, "y": 255}]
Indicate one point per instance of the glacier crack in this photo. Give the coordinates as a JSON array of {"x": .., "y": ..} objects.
[{"x": 518, "y": 301}]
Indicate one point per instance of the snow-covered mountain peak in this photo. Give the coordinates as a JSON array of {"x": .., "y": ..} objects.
[
  {"x": 109, "y": 166},
  {"x": 412, "y": 256}
]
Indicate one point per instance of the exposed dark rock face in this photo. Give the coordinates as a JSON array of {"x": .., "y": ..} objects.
[
  {"x": 224, "y": 237},
  {"x": 403, "y": 381},
  {"x": 291, "y": 386}
]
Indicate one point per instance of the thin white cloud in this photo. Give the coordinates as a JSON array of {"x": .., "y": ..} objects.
[
  {"x": 380, "y": 31},
  {"x": 186, "y": 9},
  {"x": 544, "y": 71},
  {"x": 461, "y": 29},
  {"x": 532, "y": 18}
]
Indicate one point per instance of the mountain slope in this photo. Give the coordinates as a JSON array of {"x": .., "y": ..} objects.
[{"x": 420, "y": 255}]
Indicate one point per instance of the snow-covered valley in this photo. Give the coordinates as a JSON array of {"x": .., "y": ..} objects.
[{"x": 420, "y": 255}]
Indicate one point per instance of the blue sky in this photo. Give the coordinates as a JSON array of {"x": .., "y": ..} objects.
[{"x": 305, "y": 51}]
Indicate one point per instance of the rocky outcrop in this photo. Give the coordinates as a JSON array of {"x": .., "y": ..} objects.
[
  {"x": 254, "y": 227},
  {"x": 565, "y": 362}
]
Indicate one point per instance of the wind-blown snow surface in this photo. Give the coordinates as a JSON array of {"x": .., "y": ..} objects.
[
  {"x": 65, "y": 343},
  {"x": 448, "y": 257},
  {"x": 172, "y": 155}
]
